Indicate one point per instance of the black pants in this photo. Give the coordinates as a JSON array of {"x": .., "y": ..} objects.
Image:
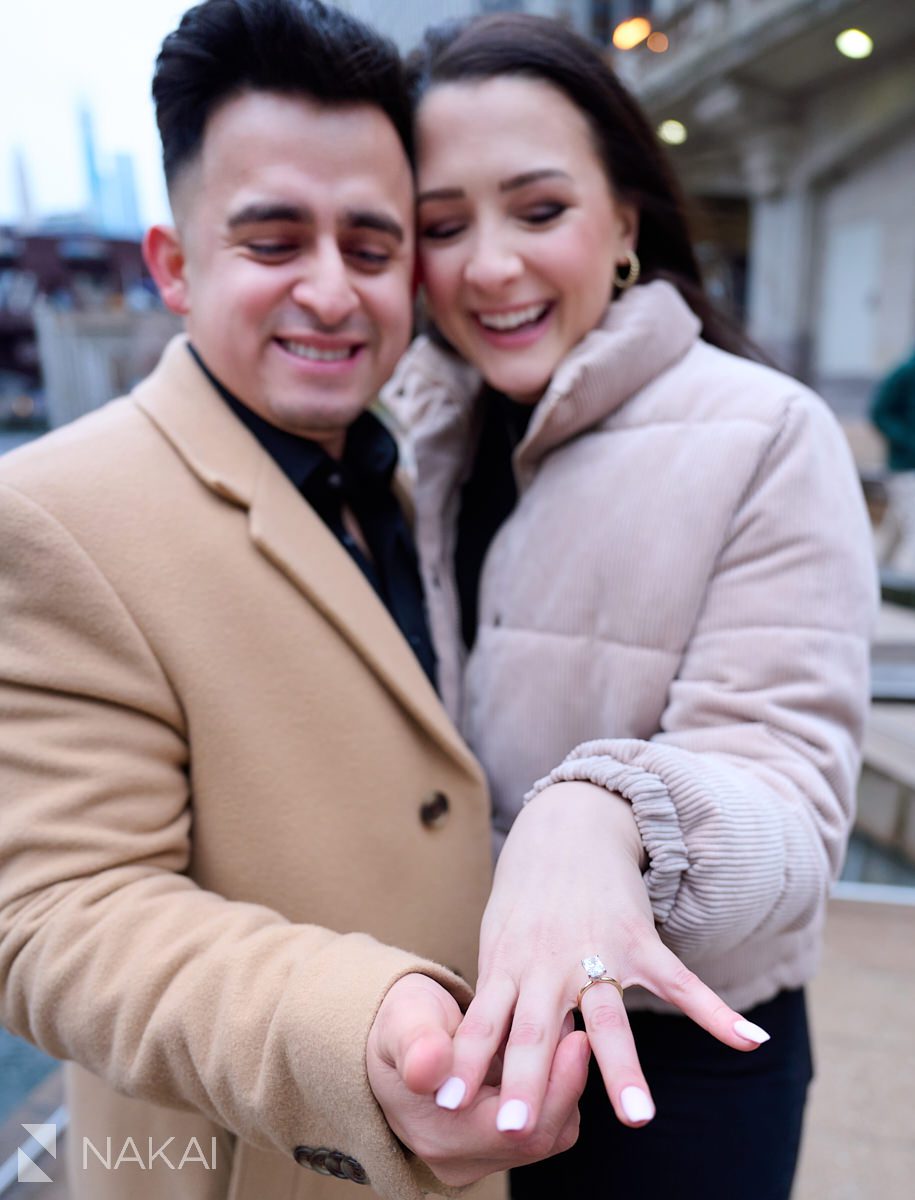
[{"x": 728, "y": 1124}]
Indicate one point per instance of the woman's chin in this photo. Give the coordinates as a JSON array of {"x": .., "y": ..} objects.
[{"x": 522, "y": 388}]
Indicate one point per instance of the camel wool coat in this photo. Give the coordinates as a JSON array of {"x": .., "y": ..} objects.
[{"x": 232, "y": 810}]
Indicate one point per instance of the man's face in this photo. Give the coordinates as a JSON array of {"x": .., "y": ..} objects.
[{"x": 296, "y": 229}]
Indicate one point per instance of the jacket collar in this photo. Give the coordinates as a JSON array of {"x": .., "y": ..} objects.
[
  {"x": 227, "y": 458},
  {"x": 642, "y": 334}
]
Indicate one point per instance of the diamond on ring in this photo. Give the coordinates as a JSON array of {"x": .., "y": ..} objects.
[{"x": 593, "y": 966}]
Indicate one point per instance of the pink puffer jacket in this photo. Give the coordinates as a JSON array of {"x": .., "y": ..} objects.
[{"x": 678, "y": 609}]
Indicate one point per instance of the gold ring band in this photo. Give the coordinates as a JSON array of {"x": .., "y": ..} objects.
[{"x": 600, "y": 979}]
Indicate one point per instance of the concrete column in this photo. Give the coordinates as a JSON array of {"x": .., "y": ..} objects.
[{"x": 780, "y": 272}]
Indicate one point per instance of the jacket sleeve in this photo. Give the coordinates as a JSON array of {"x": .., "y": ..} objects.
[
  {"x": 745, "y": 796},
  {"x": 110, "y": 955}
]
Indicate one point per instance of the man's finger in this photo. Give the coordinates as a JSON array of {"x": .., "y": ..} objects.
[{"x": 417, "y": 1023}]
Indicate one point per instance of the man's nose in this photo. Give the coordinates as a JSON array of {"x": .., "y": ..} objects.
[{"x": 325, "y": 288}]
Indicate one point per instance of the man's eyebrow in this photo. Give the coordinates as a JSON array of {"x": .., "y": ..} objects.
[
  {"x": 367, "y": 218},
  {"x": 507, "y": 185},
  {"x": 262, "y": 214}
]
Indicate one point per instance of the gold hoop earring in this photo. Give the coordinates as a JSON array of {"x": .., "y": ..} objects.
[{"x": 631, "y": 276}]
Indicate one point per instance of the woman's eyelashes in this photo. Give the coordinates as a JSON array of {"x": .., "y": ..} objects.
[
  {"x": 440, "y": 231},
  {"x": 540, "y": 214}
]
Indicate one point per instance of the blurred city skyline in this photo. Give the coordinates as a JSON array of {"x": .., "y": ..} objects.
[
  {"x": 60, "y": 61},
  {"x": 57, "y": 61}
]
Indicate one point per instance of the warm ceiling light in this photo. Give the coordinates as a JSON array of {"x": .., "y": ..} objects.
[
  {"x": 672, "y": 132},
  {"x": 628, "y": 34},
  {"x": 658, "y": 43},
  {"x": 854, "y": 43}
]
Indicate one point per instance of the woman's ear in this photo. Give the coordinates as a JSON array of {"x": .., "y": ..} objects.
[
  {"x": 164, "y": 256},
  {"x": 628, "y": 218}
]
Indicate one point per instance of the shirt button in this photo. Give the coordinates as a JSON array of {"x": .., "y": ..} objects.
[
  {"x": 335, "y": 481},
  {"x": 434, "y": 810}
]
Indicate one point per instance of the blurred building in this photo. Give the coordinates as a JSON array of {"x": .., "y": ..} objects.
[
  {"x": 80, "y": 281},
  {"x": 805, "y": 161},
  {"x": 405, "y": 20},
  {"x": 113, "y": 205}
]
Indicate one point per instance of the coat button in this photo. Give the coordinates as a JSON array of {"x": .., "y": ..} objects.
[
  {"x": 319, "y": 1161},
  {"x": 434, "y": 810},
  {"x": 333, "y": 1161},
  {"x": 353, "y": 1170}
]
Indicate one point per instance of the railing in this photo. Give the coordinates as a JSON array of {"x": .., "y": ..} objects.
[{"x": 88, "y": 358}]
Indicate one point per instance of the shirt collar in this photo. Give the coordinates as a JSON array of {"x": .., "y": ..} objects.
[{"x": 369, "y": 456}]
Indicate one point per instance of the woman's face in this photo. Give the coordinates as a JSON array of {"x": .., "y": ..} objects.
[{"x": 519, "y": 231}]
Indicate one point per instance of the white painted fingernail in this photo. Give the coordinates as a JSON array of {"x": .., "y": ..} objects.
[
  {"x": 636, "y": 1104},
  {"x": 753, "y": 1033},
  {"x": 512, "y": 1115},
  {"x": 451, "y": 1093}
]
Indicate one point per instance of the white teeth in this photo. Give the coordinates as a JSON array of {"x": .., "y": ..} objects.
[
  {"x": 514, "y": 320},
  {"x": 316, "y": 355}
]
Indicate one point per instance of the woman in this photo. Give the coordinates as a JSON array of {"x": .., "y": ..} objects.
[{"x": 650, "y": 588}]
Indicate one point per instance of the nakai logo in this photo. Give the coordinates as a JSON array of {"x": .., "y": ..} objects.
[{"x": 42, "y": 1140}]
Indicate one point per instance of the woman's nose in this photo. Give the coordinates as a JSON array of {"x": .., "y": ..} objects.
[{"x": 493, "y": 264}]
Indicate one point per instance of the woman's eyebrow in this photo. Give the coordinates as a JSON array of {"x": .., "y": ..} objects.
[
  {"x": 519, "y": 181},
  {"x": 449, "y": 193},
  {"x": 507, "y": 185}
]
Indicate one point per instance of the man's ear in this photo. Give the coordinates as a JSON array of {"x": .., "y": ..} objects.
[{"x": 164, "y": 256}]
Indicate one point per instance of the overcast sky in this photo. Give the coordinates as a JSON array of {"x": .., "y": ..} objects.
[{"x": 55, "y": 54}]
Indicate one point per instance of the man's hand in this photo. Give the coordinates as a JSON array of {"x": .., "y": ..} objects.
[{"x": 410, "y": 1054}]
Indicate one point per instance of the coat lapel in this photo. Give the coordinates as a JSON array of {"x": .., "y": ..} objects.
[{"x": 228, "y": 459}]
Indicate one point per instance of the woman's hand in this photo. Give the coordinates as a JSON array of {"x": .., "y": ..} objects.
[
  {"x": 569, "y": 885},
  {"x": 410, "y": 1053}
]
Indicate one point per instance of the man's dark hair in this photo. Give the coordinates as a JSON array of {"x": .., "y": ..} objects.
[{"x": 223, "y": 48}]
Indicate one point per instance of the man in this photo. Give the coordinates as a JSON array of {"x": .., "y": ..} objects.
[
  {"x": 229, "y": 792},
  {"x": 893, "y": 413}
]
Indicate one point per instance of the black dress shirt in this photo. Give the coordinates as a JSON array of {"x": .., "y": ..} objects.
[
  {"x": 361, "y": 482},
  {"x": 487, "y": 498}
]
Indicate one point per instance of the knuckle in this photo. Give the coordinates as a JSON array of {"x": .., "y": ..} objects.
[
  {"x": 541, "y": 1144},
  {"x": 567, "y": 1138},
  {"x": 682, "y": 981},
  {"x": 475, "y": 1027},
  {"x": 454, "y": 1174},
  {"x": 633, "y": 931},
  {"x": 606, "y": 1018},
  {"x": 426, "y": 1149},
  {"x": 527, "y": 1033}
]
